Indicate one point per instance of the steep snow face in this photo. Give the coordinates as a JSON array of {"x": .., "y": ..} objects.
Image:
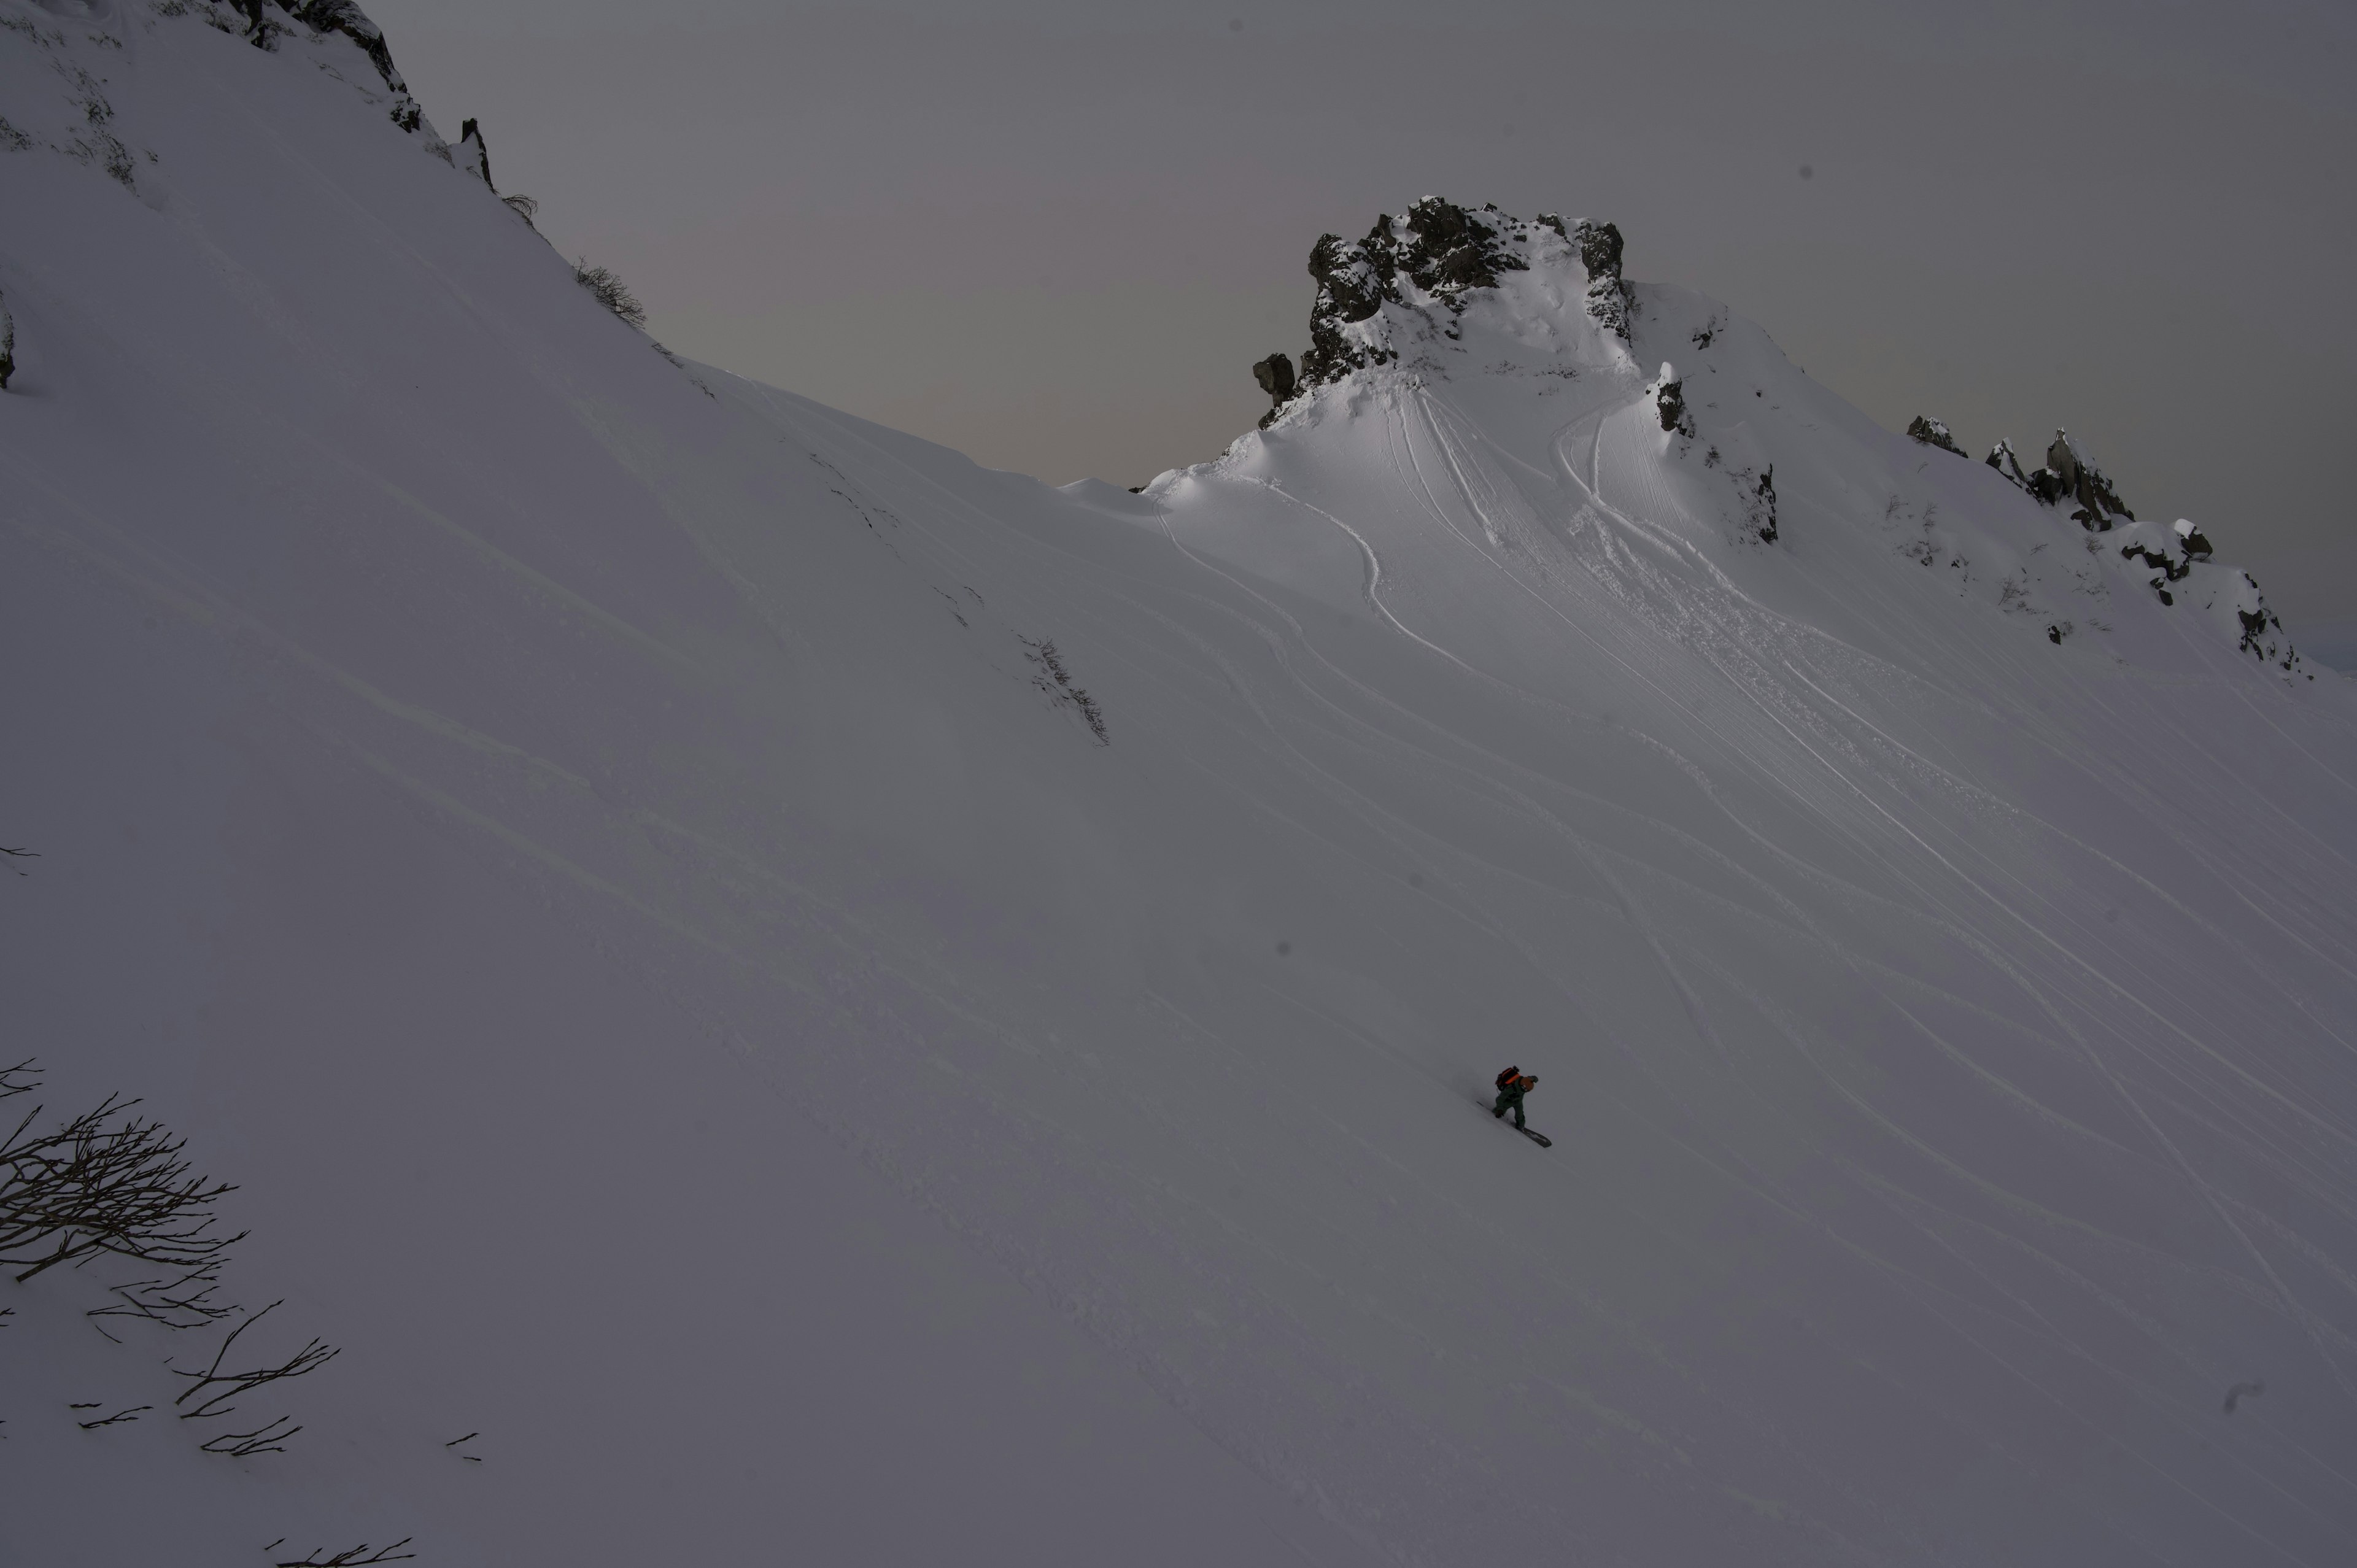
[
  {"x": 829, "y": 1004},
  {"x": 1657, "y": 404}
]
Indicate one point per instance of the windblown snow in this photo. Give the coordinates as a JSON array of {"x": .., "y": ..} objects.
[{"x": 800, "y": 1000}]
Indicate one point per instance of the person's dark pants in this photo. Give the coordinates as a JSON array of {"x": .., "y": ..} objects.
[{"x": 1510, "y": 1099}]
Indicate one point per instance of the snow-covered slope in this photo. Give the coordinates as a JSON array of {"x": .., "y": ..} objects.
[{"x": 835, "y": 1006}]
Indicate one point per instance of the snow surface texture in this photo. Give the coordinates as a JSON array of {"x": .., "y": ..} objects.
[{"x": 838, "y": 1007}]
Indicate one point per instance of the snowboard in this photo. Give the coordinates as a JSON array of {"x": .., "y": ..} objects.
[{"x": 1540, "y": 1139}]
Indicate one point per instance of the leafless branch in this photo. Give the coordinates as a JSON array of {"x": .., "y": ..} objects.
[
  {"x": 182, "y": 1303},
  {"x": 351, "y": 1558},
  {"x": 220, "y": 1390},
  {"x": 263, "y": 1439},
  {"x": 120, "y": 1415}
]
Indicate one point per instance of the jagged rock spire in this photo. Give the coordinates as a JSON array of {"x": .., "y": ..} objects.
[{"x": 1933, "y": 432}]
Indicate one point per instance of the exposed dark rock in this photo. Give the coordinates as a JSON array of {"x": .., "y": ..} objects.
[
  {"x": 1670, "y": 402},
  {"x": 2070, "y": 474},
  {"x": 470, "y": 155},
  {"x": 1444, "y": 250},
  {"x": 2170, "y": 568},
  {"x": 2002, "y": 459},
  {"x": 1763, "y": 514},
  {"x": 2197, "y": 544},
  {"x": 2054, "y": 634},
  {"x": 1932, "y": 433},
  {"x": 1274, "y": 375},
  {"x": 263, "y": 30},
  {"x": 1608, "y": 294},
  {"x": 7, "y": 347}
]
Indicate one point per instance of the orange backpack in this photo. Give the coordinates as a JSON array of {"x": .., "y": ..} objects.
[{"x": 1507, "y": 1077}]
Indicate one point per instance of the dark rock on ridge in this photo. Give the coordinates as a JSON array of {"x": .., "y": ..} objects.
[
  {"x": 1932, "y": 433},
  {"x": 2070, "y": 473},
  {"x": 1274, "y": 375},
  {"x": 1670, "y": 402},
  {"x": 344, "y": 17},
  {"x": 470, "y": 155},
  {"x": 2002, "y": 459},
  {"x": 1445, "y": 252},
  {"x": 1441, "y": 248},
  {"x": 1608, "y": 294}
]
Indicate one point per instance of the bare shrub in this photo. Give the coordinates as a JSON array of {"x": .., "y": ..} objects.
[
  {"x": 1057, "y": 681},
  {"x": 351, "y": 1557},
  {"x": 217, "y": 1393},
  {"x": 611, "y": 292},
  {"x": 106, "y": 1182}
]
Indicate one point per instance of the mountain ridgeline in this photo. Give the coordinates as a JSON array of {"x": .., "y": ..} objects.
[{"x": 1397, "y": 299}]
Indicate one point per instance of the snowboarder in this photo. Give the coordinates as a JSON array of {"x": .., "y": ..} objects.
[{"x": 1512, "y": 1084}]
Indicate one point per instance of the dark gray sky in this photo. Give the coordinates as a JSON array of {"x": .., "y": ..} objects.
[{"x": 1055, "y": 235}]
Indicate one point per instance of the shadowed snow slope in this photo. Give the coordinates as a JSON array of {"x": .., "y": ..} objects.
[{"x": 619, "y": 862}]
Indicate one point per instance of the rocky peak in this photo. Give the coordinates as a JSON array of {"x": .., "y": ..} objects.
[
  {"x": 2070, "y": 474},
  {"x": 1435, "y": 258},
  {"x": 2002, "y": 459},
  {"x": 1932, "y": 433}
]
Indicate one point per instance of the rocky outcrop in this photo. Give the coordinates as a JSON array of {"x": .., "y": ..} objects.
[
  {"x": 1444, "y": 250},
  {"x": 1763, "y": 506},
  {"x": 470, "y": 155},
  {"x": 2197, "y": 546},
  {"x": 263, "y": 30},
  {"x": 2071, "y": 475},
  {"x": 1669, "y": 396},
  {"x": 1432, "y": 260},
  {"x": 1932, "y": 433},
  {"x": 7, "y": 346},
  {"x": 1608, "y": 297},
  {"x": 1274, "y": 375},
  {"x": 2002, "y": 459}
]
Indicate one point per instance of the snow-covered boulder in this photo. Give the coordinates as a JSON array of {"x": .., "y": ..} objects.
[
  {"x": 1670, "y": 402},
  {"x": 1933, "y": 432}
]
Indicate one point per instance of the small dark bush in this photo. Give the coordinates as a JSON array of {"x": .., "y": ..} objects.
[{"x": 611, "y": 292}]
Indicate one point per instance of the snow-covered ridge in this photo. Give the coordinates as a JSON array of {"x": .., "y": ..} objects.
[
  {"x": 1528, "y": 326},
  {"x": 54, "y": 82}
]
